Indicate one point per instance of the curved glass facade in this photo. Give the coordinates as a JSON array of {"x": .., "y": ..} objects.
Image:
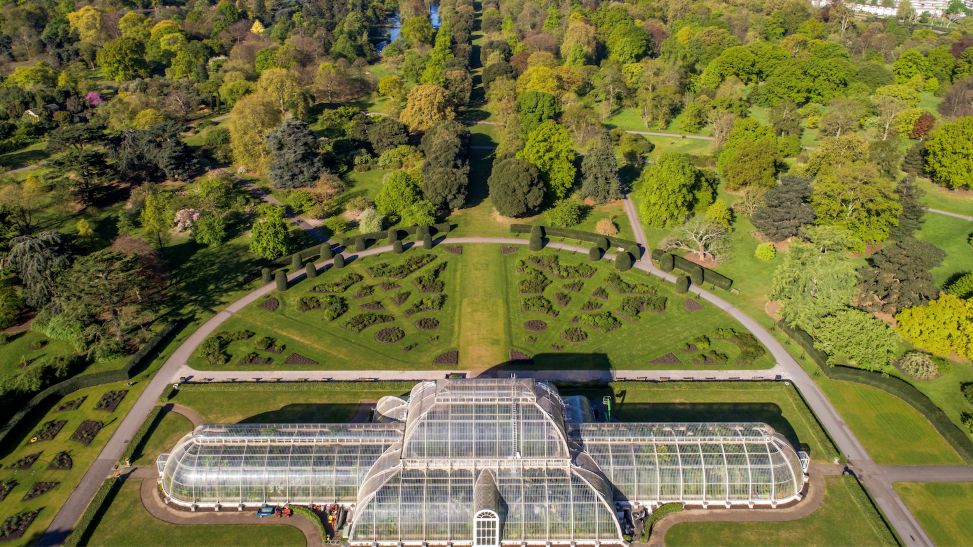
[{"x": 457, "y": 448}]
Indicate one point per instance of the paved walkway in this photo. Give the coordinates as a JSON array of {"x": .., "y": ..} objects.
[
  {"x": 950, "y": 214},
  {"x": 813, "y": 499},
  {"x": 149, "y": 493},
  {"x": 878, "y": 486}
]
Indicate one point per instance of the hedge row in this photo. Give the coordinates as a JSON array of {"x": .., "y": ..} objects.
[
  {"x": 138, "y": 440},
  {"x": 293, "y": 386},
  {"x": 88, "y": 380},
  {"x": 696, "y": 272},
  {"x": 99, "y": 504},
  {"x": 315, "y": 519},
  {"x": 891, "y": 384},
  {"x": 550, "y": 231},
  {"x": 363, "y": 240}
]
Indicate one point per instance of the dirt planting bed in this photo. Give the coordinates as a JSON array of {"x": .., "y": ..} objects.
[
  {"x": 62, "y": 462},
  {"x": 520, "y": 357},
  {"x": 691, "y": 305},
  {"x": 298, "y": 359},
  {"x": 450, "y": 357},
  {"x": 49, "y": 430},
  {"x": 86, "y": 431},
  {"x": 73, "y": 404},
  {"x": 39, "y": 489},
  {"x": 15, "y": 526},
  {"x": 270, "y": 303},
  {"x": 390, "y": 335},
  {"x": 110, "y": 401},
  {"x": 26, "y": 462},
  {"x": 6, "y": 487},
  {"x": 427, "y": 323},
  {"x": 535, "y": 325},
  {"x": 667, "y": 359}
]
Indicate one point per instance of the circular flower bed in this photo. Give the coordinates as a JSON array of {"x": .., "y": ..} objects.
[
  {"x": 427, "y": 323},
  {"x": 574, "y": 335},
  {"x": 390, "y": 335},
  {"x": 535, "y": 325}
]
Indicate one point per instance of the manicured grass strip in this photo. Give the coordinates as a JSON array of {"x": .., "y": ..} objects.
[
  {"x": 846, "y": 518},
  {"x": 126, "y": 523},
  {"x": 483, "y": 314},
  {"x": 945, "y": 510}
]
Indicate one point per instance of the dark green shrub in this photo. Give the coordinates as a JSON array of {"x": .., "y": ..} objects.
[
  {"x": 536, "y": 242},
  {"x": 326, "y": 251},
  {"x": 682, "y": 284},
  {"x": 696, "y": 275},
  {"x": 310, "y": 270},
  {"x": 717, "y": 279},
  {"x": 296, "y": 262},
  {"x": 426, "y": 241},
  {"x": 666, "y": 262},
  {"x": 360, "y": 244},
  {"x": 623, "y": 261},
  {"x": 397, "y": 247},
  {"x": 603, "y": 243},
  {"x": 968, "y": 391},
  {"x": 537, "y": 231},
  {"x": 339, "y": 261},
  {"x": 266, "y": 275},
  {"x": 281, "y": 280},
  {"x": 393, "y": 236},
  {"x": 403, "y": 269},
  {"x": 421, "y": 231},
  {"x": 594, "y": 254}
]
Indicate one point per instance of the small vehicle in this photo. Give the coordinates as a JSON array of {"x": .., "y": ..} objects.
[{"x": 266, "y": 511}]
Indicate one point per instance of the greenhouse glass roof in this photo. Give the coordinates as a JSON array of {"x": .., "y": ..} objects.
[{"x": 465, "y": 459}]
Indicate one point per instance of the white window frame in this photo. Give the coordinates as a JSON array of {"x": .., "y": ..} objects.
[{"x": 484, "y": 523}]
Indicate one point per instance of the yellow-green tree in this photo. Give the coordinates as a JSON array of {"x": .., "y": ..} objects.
[
  {"x": 251, "y": 119},
  {"x": 426, "y": 105}
]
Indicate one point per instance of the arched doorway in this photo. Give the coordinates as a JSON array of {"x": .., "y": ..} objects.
[{"x": 486, "y": 529}]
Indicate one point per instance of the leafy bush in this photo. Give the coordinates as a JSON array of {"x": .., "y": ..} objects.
[
  {"x": 574, "y": 286},
  {"x": 567, "y": 213},
  {"x": 212, "y": 351},
  {"x": 535, "y": 283},
  {"x": 339, "y": 285},
  {"x": 617, "y": 284},
  {"x": 427, "y": 323},
  {"x": 604, "y": 321},
  {"x": 390, "y": 335},
  {"x": 623, "y": 261},
  {"x": 600, "y": 293},
  {"x": 362, "y": 321},
  {"x": 539, "y": 304},
  {"x": 552, "y": 265},
  {"x": 765, "y": 252},
  {"x": 919, "y": 365},
  {"x": 432, "y": 302},
  {"x": 700, "y": 342},
  {"x": 633, "y": 306},
  {"x": 428, "y": 281},
  {"x": 403, "y": 269},
  {"x": 562, "y": 299},
  {"x": 574, "y": 335},
  {"x": 962, "y": 286}
]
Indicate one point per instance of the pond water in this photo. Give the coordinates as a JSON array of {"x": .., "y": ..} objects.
[{"x": 392, "y": 28}]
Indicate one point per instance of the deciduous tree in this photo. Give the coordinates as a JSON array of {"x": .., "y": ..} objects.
[
  {"x": 516, "y": 188},
  {"x": 270, "y": 237},
  {"x": 549, "y": 148},
  {"x": 666, "y": 190},
  {"x": 251, "y": 119},
  {"x": 426, "y": 105},
  {"x": 950, "y": 154},
  {"x": 855, "y": 197}
]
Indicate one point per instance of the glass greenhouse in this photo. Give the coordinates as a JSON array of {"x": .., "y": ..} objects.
[{"x": 483, "y": 462}]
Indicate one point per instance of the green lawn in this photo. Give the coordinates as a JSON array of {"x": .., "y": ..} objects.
[
  {"x": 482, "y": 327},
  {"x": 846, "y": 518},
  {"x": 81, "y": 455},
  {"x": 955, "y": 201},
  {"x": 28, "y": 347},
  {"x": 893, "y": 432},
  {"x": 28, "y": 155},
  {"x": 945, "y": 510},
  {"x": 951, "y": 235},
  {"x": 162, "y": 438},
  {"x": 127, "y": 523}
]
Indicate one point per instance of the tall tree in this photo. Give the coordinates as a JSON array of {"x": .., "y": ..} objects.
[
  {"x": 252, "y": 118},
  {"x": 666, "y": 190},
  {"x": 294, "y": 159},
  {"x": 425, "y": 105},
  {"x": 516, "y": 188},
  {"x": 156, "y": 217},
  {"x": 854, "y": 337},
  {"x": 786, "y": 208},
  {"x": 943, "y": 326},
  {"x": 36, "y": 260},
  {"x": 812, "y": 283},
  {"x": 855, "y": 197},
  {"x": 950, "y": 154},
  {"x": 270, "y": 237},
  {"x": 599, "y": 172},
  {"x": 899, "y": 276},
  {"x": 749, "y": 157},
  {"x": 549, "y": 148}
]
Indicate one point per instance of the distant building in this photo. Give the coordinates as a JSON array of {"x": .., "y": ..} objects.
[
  {"x": 932, "y": 7},
  {"x": 485, "y": 462}
]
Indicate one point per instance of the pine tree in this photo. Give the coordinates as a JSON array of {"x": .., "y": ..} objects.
[
  {"x": 294, "y": 161},
  {"x": 786, "y": 208},
  {"x": 600, "y": 173}
]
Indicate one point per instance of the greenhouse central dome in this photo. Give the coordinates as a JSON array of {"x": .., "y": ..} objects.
[{"x": 484, "y": 462}]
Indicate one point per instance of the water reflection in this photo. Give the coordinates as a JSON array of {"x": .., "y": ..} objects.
[{"x": 392, "y": 28}]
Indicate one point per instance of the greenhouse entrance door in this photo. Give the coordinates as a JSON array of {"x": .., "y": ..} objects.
[{"x": 486, "y": 529}]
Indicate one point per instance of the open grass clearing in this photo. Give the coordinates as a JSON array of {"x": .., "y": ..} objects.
[
  {"x": 944, "y": 510},
  {"x": 938, "y": 197},
  {"x": 846, "y": 518},
  {"x": 126, "y": 523},
  {"x": 951, "y": 235}
]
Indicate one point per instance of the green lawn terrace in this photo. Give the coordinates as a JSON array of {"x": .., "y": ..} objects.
[{"x": 474, "y": 306}]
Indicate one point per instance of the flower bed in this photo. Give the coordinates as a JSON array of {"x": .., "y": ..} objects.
[
  {"x": 362, "y": 321},
  {"x": 574, "y": 335},
  {"x": 15, "y": 526},
  {"x": 339, "y": 285},
  {"x": 49, "y": 430},
  {"x": 62, "y": 462},
  {"x": 427, "y": 323},
  {"x": 390, "y": 335},
  {"x": 39, "y": 489},
  {"x": 298, "y": 359},
  {"x": 450, "y": 357},
  {"x": 86, "y": 431},
  {"x": 374, "y": 305},
  {"x": 691, "y": 305},
  {"x": 73, "y": 404},
  {"x": 26, "y": 462},
  {"x": 254, "y": 358},
  {"x": 270, "y": 303},
  {"x": 388, "y": 286},
  {"x": 110, "y": 401},
  {"x": 667, "y": 359},
  {"x": 5, "y": 488},
  {"x": 401, "y": 297},
  {"x": 535, "y": 325}
]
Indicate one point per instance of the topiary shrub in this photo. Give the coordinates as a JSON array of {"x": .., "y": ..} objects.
[
  {"x": 968, "y": 391},
  {"x": 266, "y": 275},
  {"x": 360, "y": 244},
  {"x": 397, "y": 247},
  {"x": 667, "y": 262},
  {"x": 765, "y": 252},
  {"x": 919, "y": 365},
  {"x": 339, "y": 261},
  {"x": 281, "y": 280},
  {"x": 326, "y": 251},
  {"x": 310, "y": 270},
  {"x": 296, "y": 262},
  {"x": 682, "y": 284},
  {"x": 393, "y": 236},
  {"x": 421, "y": 230},
  {"x": 537, "y": 231},
  {"x": 623, "y": 261},
  {"x": 696, "y": 275},
  {"x": 594, "y": 254},
  {"x": 536, "y": 241},
  {"x": 426, "y": 241},
  {"x": 604, "y": 243}
]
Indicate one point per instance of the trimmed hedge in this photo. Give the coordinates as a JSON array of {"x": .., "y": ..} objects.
[
  {"x": 141, "y": 436},
  {"x": 623, "y": 261},
  {"x": 296, "y": 262},
  {"x": 536, "y": 242},
  {"x": 550, "y": 231},
  {"x": 397, "y": 247},
  {"x": 310, "y": 271},
  {"x": 281, "y": 280},
  {"x": 890, "y": 384},
  {"x": 362, "y": 241},
  {"x": 266, "y": 275},
  {"x": 705, "y": 275},
  {"x": 88, "y": 380},
  {"x": 96, "y": 509},
  {"x": 682, "y": 284},
  {"x": 326, "y": 253},
  {"x": 594, "y": 254},
  {"x": 339, "y": 261},
  {"x": 426, "y": 241}
]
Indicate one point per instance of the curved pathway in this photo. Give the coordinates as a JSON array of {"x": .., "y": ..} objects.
[
  {"x": 878, "y": 486},
  {"x": 149, "y": 493},
  {"x": 950, "y": 214},
  {"x": 812, "y": 501}
]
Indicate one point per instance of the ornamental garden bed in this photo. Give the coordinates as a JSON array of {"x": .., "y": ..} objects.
[
  {"x": 39, "y": 489},
  {"x": 110, "y": 401},
  {"x": 298, "y": 359},
  {"x": 73, "y": 404},
  {"x": 26, "y": 462},
  {"x": 62, "y": 462},
  {"x": 49, "y": 430},
  {"x": 270, "y": 303},
  {"x": 15, "y": 526},
  {"x": 86, "y": 431},
  {"x": 450, "y": 357},
  {"x": 390, "y": 335},
  {"x": 6, "y": 487}
]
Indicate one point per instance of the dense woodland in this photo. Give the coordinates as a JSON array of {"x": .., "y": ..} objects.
[{"x": 157, "y": 124}]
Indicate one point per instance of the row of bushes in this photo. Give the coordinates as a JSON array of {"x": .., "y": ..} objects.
[
  {"x": 891, "y": 384},
  {"x": 697, "y": 274},
  {"x": 88, "y": 380},
  {"x": 604, "y": 242},
  {"x": 361, "y": 242},
  {"x": 96, "y": 509},
  {"x": 141, "y": 436}
]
